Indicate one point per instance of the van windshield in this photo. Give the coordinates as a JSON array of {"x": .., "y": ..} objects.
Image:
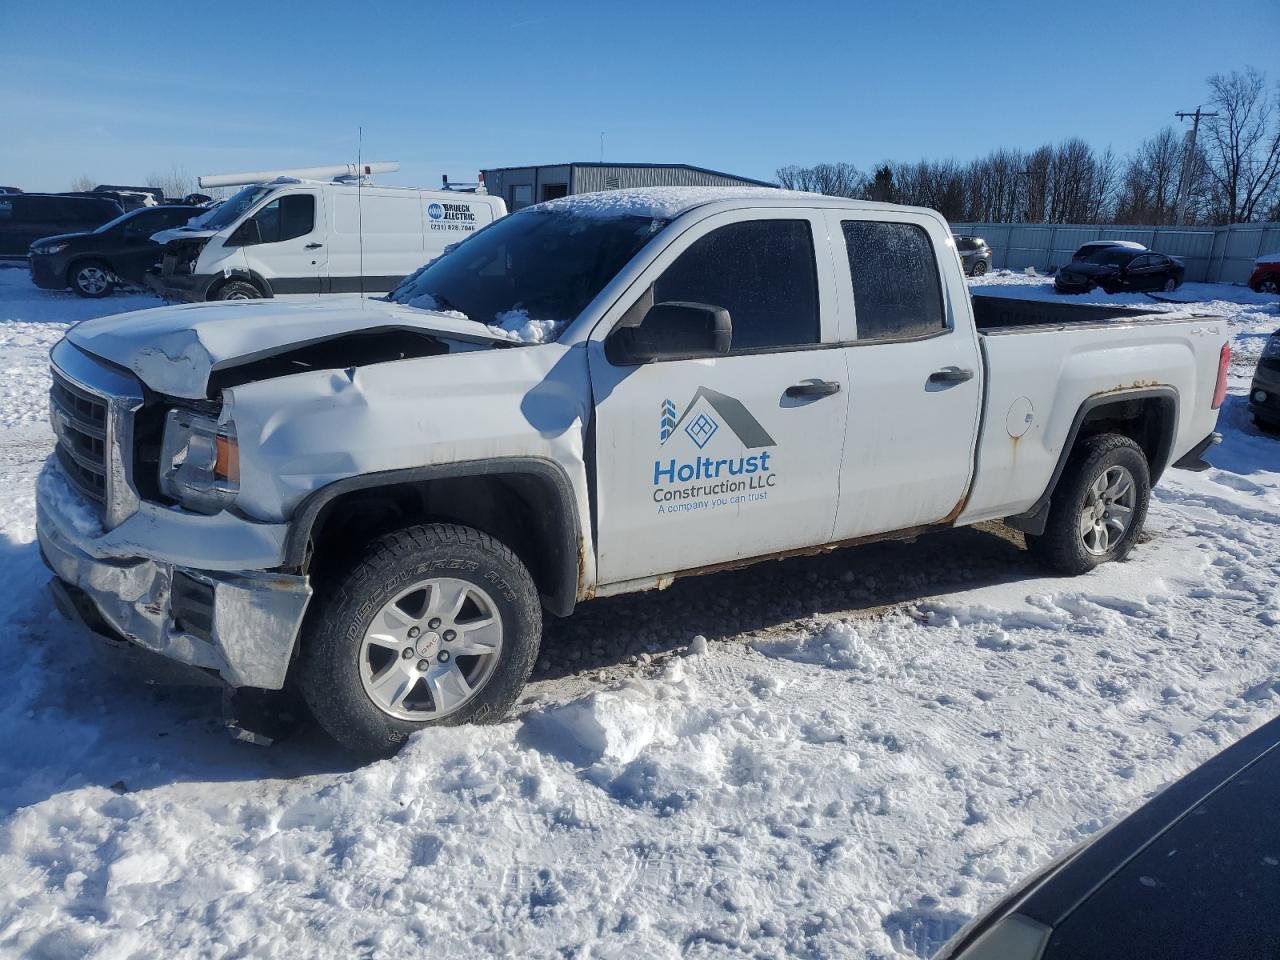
[
  {"x": 530, "y": 273},
  {"x": 230, "y": 210}
]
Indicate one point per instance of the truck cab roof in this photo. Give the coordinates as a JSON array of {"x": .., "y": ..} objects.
[{"x": 666, "y": 203}]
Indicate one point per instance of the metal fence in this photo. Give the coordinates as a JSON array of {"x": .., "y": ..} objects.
[{"x": 1215, "y": 254}]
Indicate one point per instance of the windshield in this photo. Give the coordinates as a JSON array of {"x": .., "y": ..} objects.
[
  {"x": 531, "y": 273},
  {"x": 1111, "y": 256},
  {"x": 231, "y": 209}
]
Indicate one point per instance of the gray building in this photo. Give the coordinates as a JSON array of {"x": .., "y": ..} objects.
[{"x": 522, "y": 186}]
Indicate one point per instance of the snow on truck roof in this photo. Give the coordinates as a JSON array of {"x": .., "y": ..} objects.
[{"x": 666, "y": 203}]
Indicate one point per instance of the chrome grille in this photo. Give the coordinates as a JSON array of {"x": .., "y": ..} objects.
[
  {"x": 80, "y": 423},
  {"x": 92, "y": 405}
]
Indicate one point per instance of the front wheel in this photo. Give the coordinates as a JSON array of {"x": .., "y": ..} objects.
[
  {"x": 431, "y": 625},
  {"x": 92, "y": 279},
  {"x": 1098, "y": 507},
  {"x": 237, "y": 290}
]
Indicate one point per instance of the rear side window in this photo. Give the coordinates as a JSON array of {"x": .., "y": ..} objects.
[
  {"x": 287, "y": 218},
  {"x": 897, "y": 294},
  {"x": 761, "y": 271}
]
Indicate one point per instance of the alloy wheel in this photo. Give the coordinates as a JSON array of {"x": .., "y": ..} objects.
[
  {"x": 1108, "y": 510},
  {"x": 430, "y": 649}
]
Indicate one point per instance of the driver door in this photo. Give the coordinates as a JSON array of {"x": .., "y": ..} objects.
[
  {"x": 290, "y": 249},
  {"x": 710, "y": 460}
]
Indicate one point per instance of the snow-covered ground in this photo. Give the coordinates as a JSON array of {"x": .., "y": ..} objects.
[{"x": 837, "y": 756}]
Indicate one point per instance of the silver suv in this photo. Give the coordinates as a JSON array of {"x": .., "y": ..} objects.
[{"x": 975, "y": 254}]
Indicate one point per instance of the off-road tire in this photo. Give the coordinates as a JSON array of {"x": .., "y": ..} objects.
[
  {"x": 1060, "y": 547},
  {"x": 237, "y": 290},
  {"x": 79, "y": 284},
  {"x": 346, "y": 601}
]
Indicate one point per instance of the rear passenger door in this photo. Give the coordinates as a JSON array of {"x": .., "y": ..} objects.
[{"x": 915, "y": 380}]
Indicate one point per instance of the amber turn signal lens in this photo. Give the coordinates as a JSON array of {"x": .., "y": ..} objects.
[{"x": 226, "y": 465}]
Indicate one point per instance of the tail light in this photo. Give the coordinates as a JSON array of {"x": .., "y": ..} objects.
[{"x": 1224, "y": 361}]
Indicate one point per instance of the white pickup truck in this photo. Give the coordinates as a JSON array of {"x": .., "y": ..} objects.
[{"x": 377, "y": 500}]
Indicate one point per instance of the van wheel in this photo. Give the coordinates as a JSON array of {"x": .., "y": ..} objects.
[
  {"x": 93, "y": 279},
  {"x": 1098, "y": 507},
  {"x": 237, "y": 290},
  {"x": 432, "y": 625}
]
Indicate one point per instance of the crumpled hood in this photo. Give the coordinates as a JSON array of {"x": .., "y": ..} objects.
[
  {"x": 182, "y": 233},
  {"x": 174, "y": 349}
]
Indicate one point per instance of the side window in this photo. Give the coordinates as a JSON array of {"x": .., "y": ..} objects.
[
  {"x": 287, "y": 218},
  {"x": 897, "y": 294},
  {"x": 1137, "y": 263},
  {"x": 761, "y": 271}
]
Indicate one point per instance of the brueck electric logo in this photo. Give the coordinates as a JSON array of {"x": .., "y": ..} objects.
[
  {"x": 451, "y": 216},
  {"x": 706, "y": 482}
]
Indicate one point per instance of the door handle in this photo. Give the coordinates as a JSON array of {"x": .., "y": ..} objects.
[
  {"x": 813, "y": 388},
  {"x": 951, "y": 375},
  {"x": 314, "y": 246}
]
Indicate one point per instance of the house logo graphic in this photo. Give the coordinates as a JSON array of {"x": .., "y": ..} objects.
[{"x": 703, "y": 426}]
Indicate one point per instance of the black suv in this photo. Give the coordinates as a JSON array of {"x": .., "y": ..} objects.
[
  {"x": 94, "y": 263},
  {"x": 26, "y": 217}
]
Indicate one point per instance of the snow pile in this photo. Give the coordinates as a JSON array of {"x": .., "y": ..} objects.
[
  {"x": 860, "y": 752},
  {"x": 660, "y": 203},
  {"x": 426, "y": 301},
  {"x": 519, "y": 326}
]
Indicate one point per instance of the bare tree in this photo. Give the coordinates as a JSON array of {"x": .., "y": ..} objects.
[
  {"x": 83, "y": 184},
  {"x": 177, "y": 183},
  {"x": 832, "y": 179},
  {"x": 1242, "y": 144}
]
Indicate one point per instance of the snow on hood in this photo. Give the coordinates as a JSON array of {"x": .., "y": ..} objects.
[
  {"x": 661, "y": 203},
  {"x": 174, "y": 350}
]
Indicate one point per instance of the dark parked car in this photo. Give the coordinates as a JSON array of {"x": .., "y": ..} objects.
[
  {"x": 1086, "y": 250},
  {"x": 975, "y": 254},
  {"x": 1264, "y": 394},
  {"x": 27, "y": 217},
  {"x": 1266, "y": 274},
  {"x": 1117, "y": 269},
  {"x": 1194, "y": 873},
  {"x": 92, "y": 263}
]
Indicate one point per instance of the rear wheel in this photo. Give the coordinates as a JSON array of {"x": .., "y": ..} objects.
[
  {"x": 1170, "y": 285},
  {"x": 1098, "y": 507},
  {"x": 238, "y": 290},
  {"x": 980, "y": 268},
  {"x": 93, "y": 279},
  {"x": 1269, "y": 285},
  {"x": 432, "y": 625}
]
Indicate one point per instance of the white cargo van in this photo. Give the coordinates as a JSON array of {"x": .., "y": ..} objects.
[{"x": 295, "y": 237}]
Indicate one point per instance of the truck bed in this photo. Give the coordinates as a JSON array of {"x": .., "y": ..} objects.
[{"x": 995, "y": 314}]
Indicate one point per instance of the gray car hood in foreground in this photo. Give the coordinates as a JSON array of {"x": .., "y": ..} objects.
[{"x": 173, "y": 350}]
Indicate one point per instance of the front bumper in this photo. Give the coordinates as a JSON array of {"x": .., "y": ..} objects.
[
  {"x": 1073, "y": 284},
  {"x": 240, "y": 626},
  {"x": 187, "y": 287},
  {"x": 48, "y": 272},
  {"x": 1266, "y": 381}
]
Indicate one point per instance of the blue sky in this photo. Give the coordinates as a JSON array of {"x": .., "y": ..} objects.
[{"x": 116, "y": 93}]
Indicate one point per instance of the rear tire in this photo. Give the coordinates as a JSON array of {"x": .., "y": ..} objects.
[
  {"x": 237, "y": 290},
  {"x": 1098, "y": 507},
  {"x": 980, "y": 268},
  {"x": 1170, "y": 285},
  {"x": 92, "y": 279},
  {"x": 1269, "y": 285},
  {"x": 383, "y": 649}
]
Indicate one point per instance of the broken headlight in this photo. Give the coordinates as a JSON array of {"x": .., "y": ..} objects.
[{"x": 199, "y": 462}]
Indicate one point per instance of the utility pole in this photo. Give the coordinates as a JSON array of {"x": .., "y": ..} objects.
[{"x": 1189, "y": 159}]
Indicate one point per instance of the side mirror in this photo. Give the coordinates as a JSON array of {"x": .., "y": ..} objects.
[
  {"x": 246, "y": 235},
  {"x": 672, "y": 331}
]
